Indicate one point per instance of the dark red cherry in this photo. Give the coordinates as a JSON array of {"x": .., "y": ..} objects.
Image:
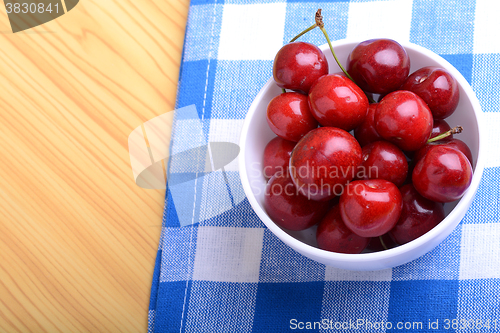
[
  {"x": 366, "y": 132},
  {"x": 289, "y": 117},
  {"x": 324, "y": 161},
  {"x": 383, "y": 160},
  {"x": 298, "y": 65},
  {"x": 418, "y": 216},
  {"x": 332, "y": 235},
  {"x": 370, "y": 208},
  {"x": 440, "y": 127},
  {"x": 376, "y": 245},
  {"x": 277, "y": 156},
  {"x": 288, "y": 208},
  {"x": 453, "y": 143},
  {"x": 404, "y": 119},
  {"x": 443, "y": 174},
  {"x": 378, "y": 65},
  {"x": 437, "y": 87},
  {"x": 337, "y": 102}
]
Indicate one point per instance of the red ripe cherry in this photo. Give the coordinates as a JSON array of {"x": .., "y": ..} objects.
[
  {"x": 461, "y": 146},
  {"x": 332, "y": 235},
  {"x": 404, "y": 119},
  {"x": 440, "y": 127},
  {"x": 418, "y": 216},
  {"x": 324, "y": 161},
  {"x": 378, "y": 65},
  {"x": 277, "y": 156},
  {"x": 298, "y": 65},
  {"x": 370, "y": 208},
  {"x": 337, "y": 102},
  {"x": 452, "y": 143},
  {"x": 288, "y": 208},
  {"x": 383, "y": 160},
  {"x": 437, "y": 87},
  {"x": 289, "y": 117},
  {"x": 366, "y": 132},
  {"x": 443, "y": 174}
]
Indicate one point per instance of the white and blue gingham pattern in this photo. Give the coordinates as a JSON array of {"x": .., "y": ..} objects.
[{"x": 228, "y": 273}]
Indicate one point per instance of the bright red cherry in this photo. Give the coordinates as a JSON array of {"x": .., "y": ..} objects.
[
  {"x": 336, "y": 101},
  {"x": 378, "y": 65},
  {"x": 366, "y": 132},
  {"x": 370, "y": 208},
  {"x": 443, "y": 174},
  {"x": 332, "y": 235},
  {"x": 289, "y": 117},
  {"x": 298, "y": 65},
  {"x": 404, "y": 119},
  {"x": 437, "y": 87},
  {"x": 383, "y": 160},
  {"x": 452, "y": 143},
  {"x": 324, "y": 161},
  {"x": 419, "y": 215},
  {"x": 288, "y": 208},
  {"x": 277, "y": 156}
]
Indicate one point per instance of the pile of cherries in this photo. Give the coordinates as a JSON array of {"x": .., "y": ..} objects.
[{"x": 372, "y": 175}]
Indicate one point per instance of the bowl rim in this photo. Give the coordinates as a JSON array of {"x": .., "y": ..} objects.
[{"x": 451, "y": 220}]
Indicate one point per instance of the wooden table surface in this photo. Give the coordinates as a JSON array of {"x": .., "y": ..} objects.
[{"x": 78, "y": 237}]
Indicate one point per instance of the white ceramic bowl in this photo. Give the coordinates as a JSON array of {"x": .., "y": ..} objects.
[{"x": 256, "y": 134}]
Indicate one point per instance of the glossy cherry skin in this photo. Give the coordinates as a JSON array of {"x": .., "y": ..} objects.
[
  {"x": 418, "y": 216},
  {"x": 337, "y": 102},
  {"x": 440, "y": 127},
  {"x": 370, "y": 208},
  {"x": 383, "y": 160},
  {"x": 404, "y": 119},
  {"x": 443, "y": 174},
  {"x": 452, "y": 143},
  {"x": 288, "y": 208},
  {"x": 298, "y": 65},
  {"x": 378, "y": 65},
  {"x": 277, "y": 156},
  {"x": 289, "y": 116},
  {"x": 366, "y": 132},
  {"x": 332, "y": 235},
  {"x": 437, "y": 87},
  {"x": 324, "y": 161}
]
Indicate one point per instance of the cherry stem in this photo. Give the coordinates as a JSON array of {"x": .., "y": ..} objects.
[
  {"x": 382, "y": 242},
  {"x": 321, "y": 25},
  {"x": 283, "y": 90},
  {"x": 454, "y": 130},
  {"x": 303, "y": 32}
]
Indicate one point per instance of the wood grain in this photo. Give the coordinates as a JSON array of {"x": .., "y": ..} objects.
[{"x": 78, "y": 238}]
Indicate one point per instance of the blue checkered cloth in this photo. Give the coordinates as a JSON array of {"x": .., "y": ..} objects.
[{"x": 224, "y": 271}]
